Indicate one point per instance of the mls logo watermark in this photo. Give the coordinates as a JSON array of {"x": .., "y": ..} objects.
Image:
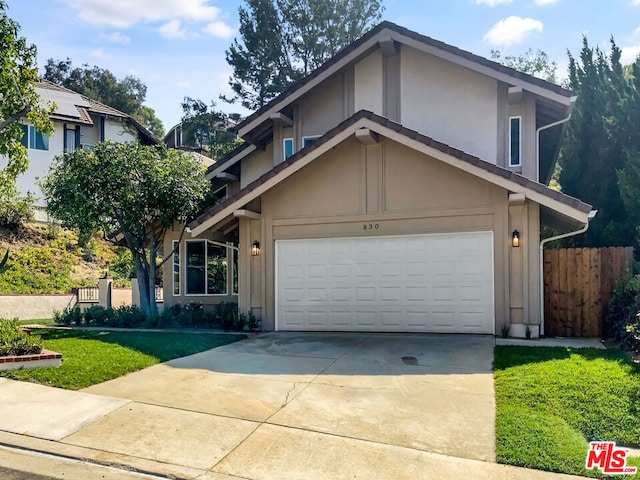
[{"x": 608, "y": 458}]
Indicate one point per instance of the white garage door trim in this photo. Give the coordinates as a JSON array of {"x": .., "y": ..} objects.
[{"x": 434, "y": 283}]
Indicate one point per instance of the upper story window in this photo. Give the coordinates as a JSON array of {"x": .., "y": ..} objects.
[
  {"x": 287, "y": 147},
  {"x": 33, "y": 138},
  {"x": 310, "y": 140},
  {"x": 515, "y": 141},
  {"x": 221, "y": 193}
]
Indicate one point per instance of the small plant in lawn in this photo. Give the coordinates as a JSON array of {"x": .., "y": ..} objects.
[{"x": 14, "y": 341}]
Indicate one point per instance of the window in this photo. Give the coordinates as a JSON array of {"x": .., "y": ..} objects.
[
  {"x": 235, "y": 271},
  {"x": 33, "y": 138},
  {"x": 310, "y": 140},
  {"x": 221, "y": 193},
  {"x": 176, "y": 267},
  {"x": 206, "y": 268},
  {"x": 287, "y": 147},
  {"x": 515, "y": 141}
]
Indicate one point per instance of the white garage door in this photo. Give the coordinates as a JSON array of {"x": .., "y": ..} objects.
[{"x": 415, "y": 283}]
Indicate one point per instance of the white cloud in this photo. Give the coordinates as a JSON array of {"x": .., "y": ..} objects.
[
  {"x": 186, "y": 84},
  {"x": 636, "y": 2},
  {"x": 548, "y": 2},
  {"x": 493, "y": 3},
  {"x": 218, "y": 29},
  {"x": 116, "y": 37},
  {"x": 125, "y": 13},
  {"x": 173, "y": 29},
  {"x": 629, "y": 54},
  {"x": 512, "y": 30},
  {"x": 100, "y": 54}
]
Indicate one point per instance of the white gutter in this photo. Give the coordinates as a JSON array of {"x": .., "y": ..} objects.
[
  {"x": 592, "y": 214},
  {"x": 544, "y": 127}
]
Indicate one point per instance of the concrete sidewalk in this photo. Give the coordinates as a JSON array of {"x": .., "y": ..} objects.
[{"x": 282, "y": 406}]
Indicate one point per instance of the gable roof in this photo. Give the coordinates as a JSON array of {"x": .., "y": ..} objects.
[
  {"x": 74, "y": 107},
  {"x": 564, "y": 205},
  {"x": 386, "y": 31}
]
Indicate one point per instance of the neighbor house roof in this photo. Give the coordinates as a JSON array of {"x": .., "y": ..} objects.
[
  {"x": 565, "y": 205},
  {"x": 388, "y": 31},
  {"x": 73, "y": 107}
]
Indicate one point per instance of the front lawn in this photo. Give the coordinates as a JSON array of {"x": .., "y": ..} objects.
[
  {"x": 552, "y": 401},
  {"x": 90, "y": 357}
]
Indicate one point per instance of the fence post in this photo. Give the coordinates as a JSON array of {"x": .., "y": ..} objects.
[{"x": 104, "y": 291}]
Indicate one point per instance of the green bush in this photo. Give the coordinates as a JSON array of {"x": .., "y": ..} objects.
[
  {"x": 622, "y": 322},
  {"x": 15, "y": 210},
  {"x": 14, "y": 341}
]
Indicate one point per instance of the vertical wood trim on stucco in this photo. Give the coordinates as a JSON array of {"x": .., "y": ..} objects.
[
  {"x": 391, "y": 87},
  {"x": 503, "y": 124},
  {"x": 528, "y": 129},
  {"x": 533, "y": 282},
  {"x": 349, "y": 79},
  {"x": 244, "y": 266},
  {"x": 373, "y": 182}
]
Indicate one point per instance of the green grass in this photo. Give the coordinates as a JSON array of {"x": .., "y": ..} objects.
[
  {"x": 38, "y": 321},
  {"x": 90, "y": 357},
  {"x": 552, "y": 401}
]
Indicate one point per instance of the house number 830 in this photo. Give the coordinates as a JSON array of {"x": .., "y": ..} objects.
[{"x": 371, "y": 226}]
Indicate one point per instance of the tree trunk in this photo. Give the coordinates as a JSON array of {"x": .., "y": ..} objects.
[
  {"x": 143, "y": 285},
  {"x": 153, "y": 306}
]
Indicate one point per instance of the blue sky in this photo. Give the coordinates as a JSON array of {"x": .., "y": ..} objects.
[{"x": 176, "y": 47}]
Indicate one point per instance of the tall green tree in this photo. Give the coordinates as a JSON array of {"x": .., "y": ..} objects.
[
  {"x": 281, "y": 41},
  {"x": 598, "y": 145},
  {"x": 18, "y": 100},
  {"x": 536, "y": 63},
  {"x": 133, "y": 193},
  {"x": 206, "y": 128},
  {"x": 127, "y": 95}
]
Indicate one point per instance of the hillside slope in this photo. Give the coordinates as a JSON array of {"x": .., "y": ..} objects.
[{"x": 48, "y": 259}]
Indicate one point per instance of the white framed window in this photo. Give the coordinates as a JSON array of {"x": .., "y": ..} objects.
[
  {"x": 309, "y": 140},
  {"x": 287, "y": 147},
  {"x": 176, "y": 267},
  {"x": 515, "y": 141},
  {"x": 33, "y": 138}
]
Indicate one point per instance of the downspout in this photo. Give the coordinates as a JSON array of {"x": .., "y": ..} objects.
[
  {"x": 592, "y": 214},
  {"x": 545, "y": 127}
]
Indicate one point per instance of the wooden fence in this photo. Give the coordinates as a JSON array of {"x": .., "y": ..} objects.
[{"x": 578, "y": 284}]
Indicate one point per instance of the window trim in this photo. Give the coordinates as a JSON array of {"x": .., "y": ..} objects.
[
  {"x": 229, "y": 279},
  {"x": 31, "y": 133},
  {"x": 519, "y": 118},
  {"x": 224, "y": 187},
  {"x": 284, "y": 147},
  {"x": 309, "y": 137},
  {"x": 174, "y": 272}
]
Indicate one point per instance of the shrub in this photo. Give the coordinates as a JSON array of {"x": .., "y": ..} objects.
[
  {"x": 252, "y": 322},
  {"x": 97, "y": 314},
  {"x": 15, "y": 209},
  {"x": 622, "y": 322},
  {"x": 14, "y": 341}
]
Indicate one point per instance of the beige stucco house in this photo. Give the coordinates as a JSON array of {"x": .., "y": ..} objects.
[{"x": 400, "y": 187}]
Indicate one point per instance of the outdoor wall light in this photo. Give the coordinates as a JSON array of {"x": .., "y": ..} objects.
[
  {"x": 515, "y": 238},
  {"x": 255, "y": 249}
]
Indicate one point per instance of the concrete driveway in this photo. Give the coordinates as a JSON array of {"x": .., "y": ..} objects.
[{"x": 368, "y": 398}]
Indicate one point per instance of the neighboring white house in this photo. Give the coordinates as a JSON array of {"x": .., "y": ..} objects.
[{"x": 79, "y": 122}]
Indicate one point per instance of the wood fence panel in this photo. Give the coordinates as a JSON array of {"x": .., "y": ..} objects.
[{"x": 578, "y": 284}]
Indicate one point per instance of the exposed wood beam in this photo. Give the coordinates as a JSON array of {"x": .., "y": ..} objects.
[
  {"x": 367, "y": 137},
  {"x": 517, "y": 199},
  {"x": 227, "y": 176},
  {"x": 231, "y": 228},
  {"x": 243, "y": 213},
  {"x": 515, "y": 95},
  {"x": 388, "y": 46},
  {"x": 281, "y": 119}
]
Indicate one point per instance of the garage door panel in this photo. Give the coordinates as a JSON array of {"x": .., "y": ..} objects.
[{"x": 433, "y": 283}]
